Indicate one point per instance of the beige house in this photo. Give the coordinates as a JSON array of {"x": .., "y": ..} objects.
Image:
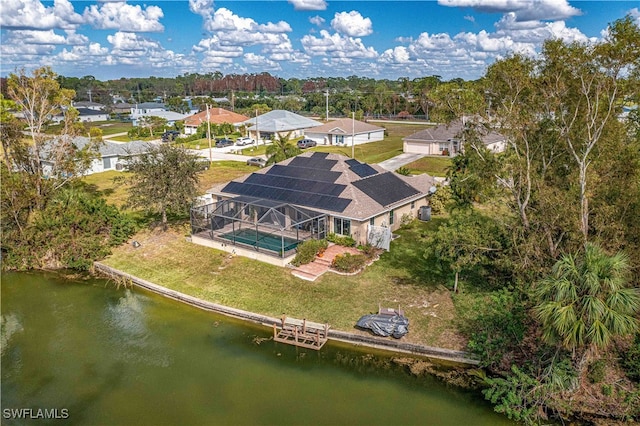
[
  {"x": 446, "y": 139},
  {"x": 266, "y": 214},
  {"x": 345, "y": 131}
]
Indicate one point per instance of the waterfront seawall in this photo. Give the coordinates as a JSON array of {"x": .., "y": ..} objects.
[{"x": 448, "y": 356}]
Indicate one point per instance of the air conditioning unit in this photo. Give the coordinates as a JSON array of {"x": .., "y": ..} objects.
[{"x": 424, "y": 213}]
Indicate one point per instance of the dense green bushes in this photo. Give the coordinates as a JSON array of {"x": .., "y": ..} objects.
[
  {"x": 307, "y": 251},
  {"x": 341, "y": 240},
  {"x": 74, "y": 229},
  {"x": 349, "y": 262},
  {"x": 631, "y": 360}
]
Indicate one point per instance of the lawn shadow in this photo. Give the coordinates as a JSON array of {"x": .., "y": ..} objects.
[{"x": 408, "y": 252}]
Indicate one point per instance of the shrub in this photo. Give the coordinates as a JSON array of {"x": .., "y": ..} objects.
[
  {"x": 631, "y": 360},
  {"x": 341, "y": 240},
  {"x": 348, "y": 262},
  {"x": 403, "y": 171},
  {"x": 368, "y": 250},
  {"x": 596, "y": 371},
  {"x": 307, "y": 251}
]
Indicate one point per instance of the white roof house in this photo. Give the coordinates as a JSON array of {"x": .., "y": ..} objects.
[
  {"x": 345, "y": 131},
  {"x": 280, "y": 122}
]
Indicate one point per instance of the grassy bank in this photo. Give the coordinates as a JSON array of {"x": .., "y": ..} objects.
[{"x": 400, "y": 277}]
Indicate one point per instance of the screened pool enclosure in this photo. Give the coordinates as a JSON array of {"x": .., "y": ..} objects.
[{"x": 267, "y": 226}]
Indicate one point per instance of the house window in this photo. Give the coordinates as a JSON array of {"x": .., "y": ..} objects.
[
  {"x": 413, "y": 205},
  {"x": 442, "y": 146},
  {"x": 372, "y": 221},
  {"x": 390, "y": 217},
  {"x": 106, "y": 163},
  {"x": 339, "y": 139},
  {"x": 369, "y": 136},
  {"x": 341, "y": 226}
]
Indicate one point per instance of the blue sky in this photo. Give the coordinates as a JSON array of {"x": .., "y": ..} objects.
[{"x": 290, "y": 38}]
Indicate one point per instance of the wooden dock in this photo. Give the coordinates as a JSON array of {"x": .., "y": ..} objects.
[{"x": 303, "y": 333}]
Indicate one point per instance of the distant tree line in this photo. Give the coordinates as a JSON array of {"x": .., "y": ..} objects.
[{"x": 366, "y": 96}]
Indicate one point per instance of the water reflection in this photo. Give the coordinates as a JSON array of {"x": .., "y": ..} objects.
[{"x": 126, "y": 357}]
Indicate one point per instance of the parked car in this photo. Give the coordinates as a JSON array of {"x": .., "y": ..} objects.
[
  {"x": 170, "y": 135},
  {"x": 244, "y": 141},
  {"x": 221, "y": 143},
  {"x": 256, "y": 161},
  {"x": 306, "y": 143}
]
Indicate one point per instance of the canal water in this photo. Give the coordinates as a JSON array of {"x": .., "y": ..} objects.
[{"x": 93, "y": 354}]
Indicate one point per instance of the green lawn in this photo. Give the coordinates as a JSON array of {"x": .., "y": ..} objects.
[
  {"x": 435, "y": 166},
  {"x": 401, "y": 277}
]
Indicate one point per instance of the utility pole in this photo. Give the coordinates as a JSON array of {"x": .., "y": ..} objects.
[
  {"x": 209, "y": 136},
  {"x": 89, "y": 93},
  {"x": 326, "y": 94},
  {"x": 353, "y": 135},
  {"x": 257, "y": 130}
]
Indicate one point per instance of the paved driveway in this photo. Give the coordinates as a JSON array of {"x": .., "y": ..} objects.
[{"x": 398, "y": 161}]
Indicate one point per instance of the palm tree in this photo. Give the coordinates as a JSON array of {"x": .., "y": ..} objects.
[
  {"x": 281, "y": 149},
  {"x": 587, "y": 300}
]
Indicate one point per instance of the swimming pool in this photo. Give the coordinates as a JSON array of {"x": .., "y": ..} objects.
[{"x": 262, "y": 240}]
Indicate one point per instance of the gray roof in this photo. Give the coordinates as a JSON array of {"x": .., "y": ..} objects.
[
  {"x": 108, "y": 148},
  {"x": 280, "y": 121},
  {"x": 345, "y": 126},
  {"x": 87, "y": 111},
  {"x": 362, "y": 191},
  {"x": 445, "y": 132}
]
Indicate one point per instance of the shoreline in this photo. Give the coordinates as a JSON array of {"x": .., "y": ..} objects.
[{"x": 439, "y": 355}]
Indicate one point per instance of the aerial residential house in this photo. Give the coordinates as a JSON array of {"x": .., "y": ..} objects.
[
  {"x": 89, "y": 105},
  {"x": 216, "y": 116},
  {"x": 111, "y": 155},
  {"x": 90, "y": 115},
  {"x": 447, "y": 139},
  {"x": 266, "y": 214},
  {"x": 279, "y": 123},
  {"x": 154, "y": 109},
  {"x": 345, "y": 131}
]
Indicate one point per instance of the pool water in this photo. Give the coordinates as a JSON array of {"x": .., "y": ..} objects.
[{"x": 262, "y": 240}]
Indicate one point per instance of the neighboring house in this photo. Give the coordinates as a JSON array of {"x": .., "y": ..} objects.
[
  {"x": 111, "y": 155},
  {"x": 445, "y": 139},
  {"x": 308, "y": 197},
  {"x": 88, "y": 115},
  {"x": 216, "y": 116},
  {"x": 89, "y": 105},
  {"x": 279, "y": 123},
  {"x": 170, "y": 116},
  {"x": 147, "y": 108},
  {"x": 345, "y": 131},
  {"x": 122, "y": 108}
]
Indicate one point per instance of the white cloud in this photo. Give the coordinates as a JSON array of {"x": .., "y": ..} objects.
[
  {"x": 261, "y": 62},
  {"x": 201, "y": 7},
  {"x": 336, "y": 46},
  {"x": 45, "y": 37},
  {"x": 525, "y": 10},
  {"x": 352, "y": 24},
  {"x": 309, "y": 4},
  {"x": 635, "y": 14},
  {"x": 125, "y": 17},
  {"x": 397, "y": 55},
  {"x": 317, "y": 20},
  {"x": 32, "y": 14},
  {"x": 537, "y": 32},
  {"x": 225, "y": 20},
  {"x": 470, "y": 18}
]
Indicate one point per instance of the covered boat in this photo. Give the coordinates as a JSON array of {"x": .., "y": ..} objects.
[{"x": 385, "y": 325}]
